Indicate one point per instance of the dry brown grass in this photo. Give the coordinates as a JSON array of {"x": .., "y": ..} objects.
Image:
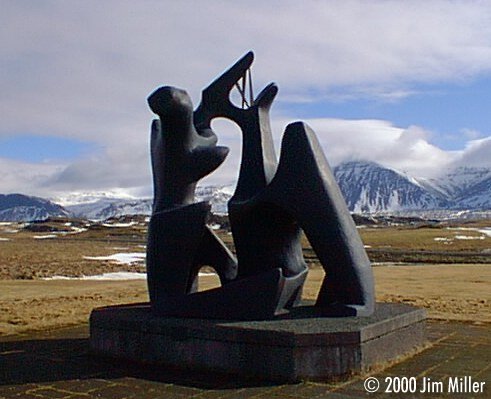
[
  {"x": 26, "y": 257},
  {"x": 27, "y": 303},
  {"x": 459, "y": 292},
  {"x": 423, "y": 239},
  {"x": 450, "y": 292}
]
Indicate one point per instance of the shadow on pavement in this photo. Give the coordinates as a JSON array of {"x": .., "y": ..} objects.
[{"x": 49, "y": 360}]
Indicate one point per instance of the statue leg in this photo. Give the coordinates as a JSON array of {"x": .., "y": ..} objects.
[
  {"x": 213, "y": 252},
  {"x": 174, "y": 237},
  {"x": 305, "y": 186}
]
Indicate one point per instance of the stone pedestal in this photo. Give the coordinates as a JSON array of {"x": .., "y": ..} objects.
[{"x": 298, "y": 346}]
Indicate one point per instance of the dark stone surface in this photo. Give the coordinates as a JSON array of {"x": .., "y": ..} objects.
[
  {"x": 298, "y": 346},
  {"x": 57, "y": 364},
  {"x": 273, "y": 202},
  {"x": 179, "y": 241}
]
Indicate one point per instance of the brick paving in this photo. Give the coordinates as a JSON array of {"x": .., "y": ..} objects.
[{"x": 57, "y": 364}]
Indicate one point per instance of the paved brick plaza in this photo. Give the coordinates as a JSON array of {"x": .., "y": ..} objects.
[{"x": 57, "y": 365}]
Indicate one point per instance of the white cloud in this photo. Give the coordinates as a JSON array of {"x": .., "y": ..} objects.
[
  {"x": 471, "y": 134},
  {"x": 84, "y": 69},
  {"x": 120, "y": 167},
  {"x": 476, "y": 153},
  {"x": 24, "y": 177},
  {"x": 127, "y": 169},
  {"x": 379, "y": 141}
]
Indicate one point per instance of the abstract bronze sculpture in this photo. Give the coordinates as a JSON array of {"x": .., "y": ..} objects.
[{"x": 273, "y": 202}]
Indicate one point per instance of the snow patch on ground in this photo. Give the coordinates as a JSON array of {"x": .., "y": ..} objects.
[
  {"x": 75, "y": 230},
  {"x": 125, "y": 258},
  {"x": 459, "y": 237},
  {"x": 486, "y": 231},
  {"x": 55, "y": 234},
  {"x": 114, "y": 276},
  {"x": 104, "y": 276},
  {"x": 4, "y": 239},
  {"x": 129, "y": 224}
]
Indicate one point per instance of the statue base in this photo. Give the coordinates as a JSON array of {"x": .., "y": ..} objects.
[{"x": 298, "y": 346}]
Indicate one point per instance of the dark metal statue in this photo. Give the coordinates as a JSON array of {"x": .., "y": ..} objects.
[{"x": 273, "y": 202}]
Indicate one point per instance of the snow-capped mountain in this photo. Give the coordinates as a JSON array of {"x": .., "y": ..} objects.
[
  {"x": 368, "y": 187},
  {"x": 104, "y": 208},
  {"x": 100, "y": 207},
  {"x": 218, "y": 197},
  {"x": 461, "y": 181},
  {"x": 476, "y": 197},
  {"x": 23, "y": 208},
  {"x": 467, "y": 187}
]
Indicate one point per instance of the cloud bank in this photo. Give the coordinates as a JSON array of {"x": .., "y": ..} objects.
[
  {"x": 127, "y": 170},
  {"x": 82, "y": 70}
]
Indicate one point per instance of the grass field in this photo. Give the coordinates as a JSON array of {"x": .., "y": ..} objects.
[
  {"x": 437, "y": 244},
  {"x": 27, "y": 254},
  {"x": 451, "y": 277},
  {"x": 449, "y": 292}
]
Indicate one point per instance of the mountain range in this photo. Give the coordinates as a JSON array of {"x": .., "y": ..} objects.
[
  {"x": 18, "y": 207},
  {"x": 367, "y": 187}
]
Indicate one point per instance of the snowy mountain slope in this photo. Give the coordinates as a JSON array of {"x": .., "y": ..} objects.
[
  {"x": 23, "y": 208},
  {"x": 111, "y": 207},
  {"x": 218, "y": 196},
  {"x": 477, "y": 196},
  {"x": 464, "y": 187},
  {"x": 460, "y": 181},
  {"x": 369, "y": 187},
  {"x": 101, "y": 207}
]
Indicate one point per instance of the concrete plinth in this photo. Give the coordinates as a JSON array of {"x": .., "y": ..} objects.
[{"x": 298, "y": 346}]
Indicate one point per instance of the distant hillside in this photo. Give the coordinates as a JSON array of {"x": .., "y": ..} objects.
[
  {"x": 367, "y": 187},
  {"x": 23, "y": 208},
  {"x": 105, "y": 208},
  {"x": 467, "y": 188}
]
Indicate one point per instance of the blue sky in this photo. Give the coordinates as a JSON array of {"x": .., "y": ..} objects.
[
  {"x": 31, "y": 148},
  {"x": 405, "y": 84},
  {"x": 453, "y": 112}
]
